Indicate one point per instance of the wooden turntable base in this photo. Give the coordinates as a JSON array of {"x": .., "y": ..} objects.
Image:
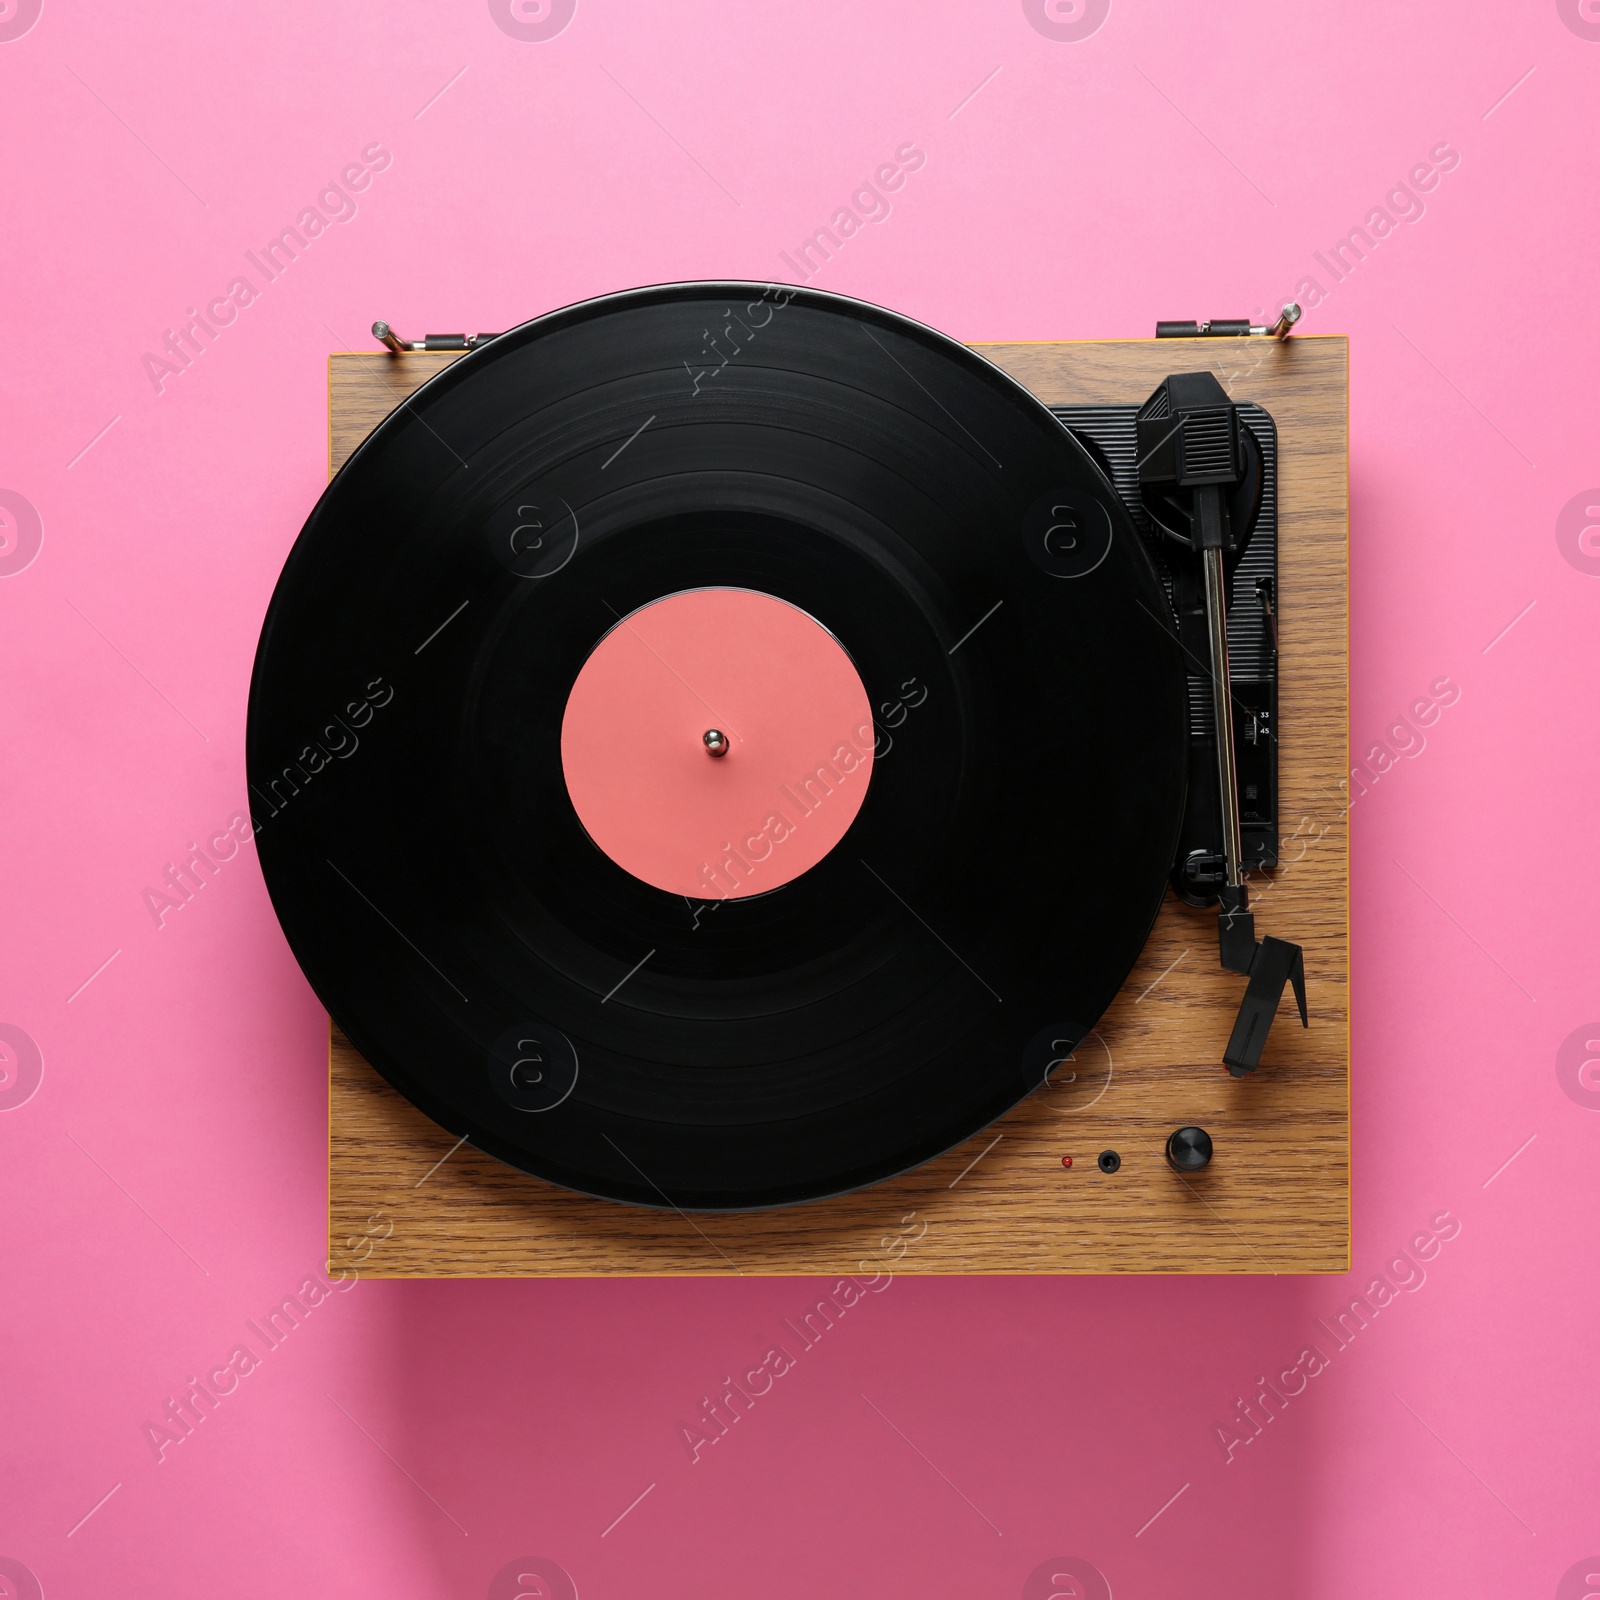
[{"x": 1276, "y": 1197}]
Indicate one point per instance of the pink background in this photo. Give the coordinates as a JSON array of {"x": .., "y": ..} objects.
[{"x": 167, "y": 1179}]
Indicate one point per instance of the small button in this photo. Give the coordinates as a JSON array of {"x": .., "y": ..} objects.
[{"x": 1188, "y": 1149}]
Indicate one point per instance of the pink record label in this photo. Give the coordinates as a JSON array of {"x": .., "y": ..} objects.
[{"x": 710, "y": 670}]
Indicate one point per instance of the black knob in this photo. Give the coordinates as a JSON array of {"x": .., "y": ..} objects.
[
  {"x": 1110, "y": 1161},
  {"x": 1189, "y": 1149}
]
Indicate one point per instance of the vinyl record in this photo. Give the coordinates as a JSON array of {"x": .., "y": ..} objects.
[{"x": 533, "y": 894}]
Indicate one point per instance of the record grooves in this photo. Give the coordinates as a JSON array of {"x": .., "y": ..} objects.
[{"x": 978, "y": 914}]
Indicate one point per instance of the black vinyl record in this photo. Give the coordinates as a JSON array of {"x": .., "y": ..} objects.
[{"x": 428, "y": 866}]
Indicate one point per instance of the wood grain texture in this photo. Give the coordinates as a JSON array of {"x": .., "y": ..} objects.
[{"x": 1276, "y": 1197}]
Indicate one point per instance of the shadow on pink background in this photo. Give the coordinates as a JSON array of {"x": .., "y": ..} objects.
[{"x": 166, "y": 1180}]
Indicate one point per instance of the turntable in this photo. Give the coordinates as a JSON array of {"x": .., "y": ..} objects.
[{"x": 762, "y": 788}]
